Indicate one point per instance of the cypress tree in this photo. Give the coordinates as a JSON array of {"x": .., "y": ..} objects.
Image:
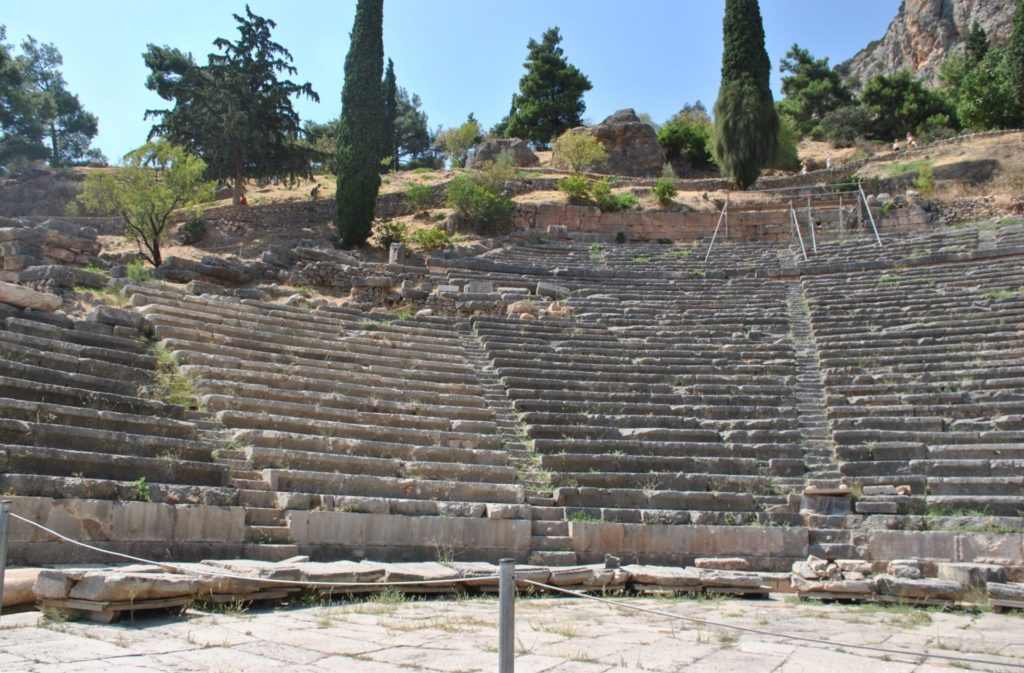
[
  {"x": 390, "y": 147},
  {"x": 746, "y": 123},
  {"x": 360, "y": 132},
  {"x": 1015, "y": 53}
]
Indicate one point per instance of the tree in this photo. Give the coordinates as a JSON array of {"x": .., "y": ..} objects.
[
  {"x": 976, "y": 45},
  {"x": 155, "y": 180},
  {"x": 550, "y": 99},
  {"x": 360, "y": 134},
  {"x": 577, "y": 150},
  {"x": 898, "y": 104},
  {"x": 457, "y": 142},
  {"x": 686, "y": 135},
  {"x": 413, "y": 140},
  {"x": 746, "y": 123},
  {"x": 1015, "y": 53},
  {"x": 986, "y": 99},
  {"x": 844, "y": 126},
  {"x": 39, "y": 117},
  {"x": 234, "y": 112},
  {"x": 390, "y": 147},
  {"x": 811, "y": 89}
]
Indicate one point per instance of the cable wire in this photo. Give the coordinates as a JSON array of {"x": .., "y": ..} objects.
[
  {"x": 762, "y": 632},
  {"x": 220, "y": 573}
]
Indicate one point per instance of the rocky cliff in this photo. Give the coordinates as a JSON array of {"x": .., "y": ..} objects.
[{"x": 923, "y": 33}]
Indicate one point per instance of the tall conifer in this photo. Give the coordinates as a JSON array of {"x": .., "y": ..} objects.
[
  {"x": 360, "y": 133},
  {"x": 390, "y": 146},
  {"x": 746, "y": 123},
  {"x": 1015, "y": 53}
]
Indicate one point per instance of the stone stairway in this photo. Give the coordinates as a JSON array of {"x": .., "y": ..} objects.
[
  {"x": 267, "y": 533},
  {"x": 818, "y": 447},
  {"x": 550, "y": 531}
]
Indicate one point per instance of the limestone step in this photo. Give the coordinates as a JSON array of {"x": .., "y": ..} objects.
[
  {"x": 832, "y": 552},
  {"x": 264, "y": 516},
  {"x": 550, "y": 543},
  {"x": 269, "y": 552},
  {"x": 250, "y": 484},
  {"x": 553, "y": 558},
  {"x": 540, "y": 501},
  {"x": 541, "y": 513},
  {"x": 268, "y": 534},
  {"x": 260, "y": 498},
  {"x": 557, "y": 528}
]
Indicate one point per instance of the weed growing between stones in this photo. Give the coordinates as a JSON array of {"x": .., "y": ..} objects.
[
  {"x": 140, "y": 489},
  {"x": 170, "y": 385}
]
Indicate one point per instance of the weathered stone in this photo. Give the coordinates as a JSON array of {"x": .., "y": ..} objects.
[
  {"x": 663, "y": 576},
  {"x": 971, "y": 574},
  {"x": 904, "y": 569},
  {"x": 117, "y": 586},
  {"x": 545, "y": 289},
  {"x": 1010, "y": 592},
  {"x": 918, "y": 588},
  {"x": 17, "y": 295},
  {"x": 727, "y": 563},
  {"x": 632, "y": 145},
  {"x": 489, "y": 150}
]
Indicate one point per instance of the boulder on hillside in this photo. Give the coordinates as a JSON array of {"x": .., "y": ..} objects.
[
  {"x": 632, "y": 145},
  {"x": 490, "y": 149}
]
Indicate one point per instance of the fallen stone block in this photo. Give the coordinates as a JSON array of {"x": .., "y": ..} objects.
[
  {"x": 545, "y": 289},
  {"x": 1006, "y": 591},
  {"x": 24, "y": 297},
  {"x": 663, "y": 576},
  {"x": 56, "y": 584},
  {"x": 972, "y": 574},
  {"x": 19, "y": 586},
  {"x": 734, "y": 563},
  {"x": 899, "y": 587},
  {"x": 106, "y": 586}
]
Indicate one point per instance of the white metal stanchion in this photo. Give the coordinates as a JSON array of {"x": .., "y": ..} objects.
[{"x": 506, "y": 615}]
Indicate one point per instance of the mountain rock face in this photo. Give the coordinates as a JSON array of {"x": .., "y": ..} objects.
[{"x": 923, "y": 33}]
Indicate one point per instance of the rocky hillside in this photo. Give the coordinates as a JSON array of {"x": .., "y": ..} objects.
[{"x": 923, "y": 33}]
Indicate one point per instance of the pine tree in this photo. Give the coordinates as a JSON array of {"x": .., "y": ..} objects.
[
  {"x": 550, "y": 99},
  {"x": 360, "y": 135},
  {"x": 976, "y": 45},
  {"x": 390, "y": 117},
  {"x": 1015, "y": 53},
  {"x": 746, "y": 123}
]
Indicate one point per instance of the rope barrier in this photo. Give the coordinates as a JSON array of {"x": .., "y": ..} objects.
[
  {"x": 770, "y": 634},
  {"x": 706, "y": 622},
  {"x": 220, "y": 573}
]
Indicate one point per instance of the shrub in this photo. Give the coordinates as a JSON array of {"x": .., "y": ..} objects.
[
  {"x": 419, "y": 198},
  {"x": 925, "y": 180},
  {"x": 578, "y": 150},
  {"x": 620, "y": 237},
  {"x": 686, "y": 135},
  {"x": 664, "y": 191},
  {"x": 137, "y": 271},
  {"x": 786, "y": 156},
  {"x": 390, "y": 231},
  {"x": 193, "y": 230},
  {"x": 608, "y": 202},
  {"x": 477, "y": 205},
  {"x": 844, "y": 126},
  {"x": 495, "y": 174},
  {"x": 576, "y": 187},
  {"x": 433, "y": 239}
]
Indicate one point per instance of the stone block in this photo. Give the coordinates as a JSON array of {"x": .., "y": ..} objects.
[
  {"x": 971, "y": 574},
  {"x": 995, "y": 548},
  {"x": 112, "y": 586},
  {"x": 544, "y": 289},
  {"x": 886, "y": 545},
  {"x": 17, "y": 295}
]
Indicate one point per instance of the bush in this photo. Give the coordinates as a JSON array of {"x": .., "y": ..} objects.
[
  {"x": 578, "y": 150},
  {"x": 686, "y": 135},
  {"x": 390, "y": 231},
  {"x": 925, "y": 180},
  {"x": 620, "y": 237},
  {"x": 786, "y": 157},
  {"x": 664, "y": 191},
  {"x": 433, "y": 239},
  {"x": 137, "y": 271},
  {"x": 419, "y": 198},
  {"x": 474, "y": 203},
  {"x": 844, "y": 126},
  {"x": 193, "y": 230},
  {"x": 608, "y": 202},
  {"x": 576, "y": 187},
  {"x": 495, "y": 174}
]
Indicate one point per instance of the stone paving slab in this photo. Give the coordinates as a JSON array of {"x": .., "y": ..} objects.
[{"x": 553, "y": 635}]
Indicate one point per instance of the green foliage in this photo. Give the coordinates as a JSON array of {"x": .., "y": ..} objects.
[
  {"x": 495, "y": 174},
  {"x": 577, "y": 150},
  {"x": 389, "y": 146},
  {"x": 609, "y": 202},
  {"x": 233, "y": 113},
  {"x": 456, "y": 142},
  {"x": 391, "y": 231},
  {"x": 936, "y": 127},
  {"x": 136, "y": 271},
  {"x": 664, "y": 191},
  {"x": 907, "y": 167},
  {"x": 844, "y": 126},
  {"x": 811, "y": 89},
  {"x": 986, "y": 97},
  {"x": 140, "y": 489},
  {"x": 434, "y": 239},
  {"x": 550, "y": 99},
  {"x": 360, "y": 135},
  {"x": 39, "y": 118},
  {"x": 925, "y": 180},
  {"x": 620, "y": 238},
  {"x": 687, "y": 134},
  {"x": 1015, "y": 53},
  {"x": 154, "y": 181},
  {"x": 482, "y": 209},
  {"x": 576, "y": 187},
  {"x": 193, "y": 229},
  {"x": 169, "y": 384},
  {"x": 746, "y": 123},
  {"x": 786, "y": 156},
  {"x": 899, "y": 104},
  {"x": 419, "y": 197}
]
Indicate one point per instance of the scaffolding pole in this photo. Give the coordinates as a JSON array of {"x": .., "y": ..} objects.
[
  {"x": 796, "y": 225},
  {"x": 871, "y": 217},
  {"x": 725, "y": 210}
]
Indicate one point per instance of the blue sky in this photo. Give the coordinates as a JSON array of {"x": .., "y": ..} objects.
[{"x": 458, "y": 55}]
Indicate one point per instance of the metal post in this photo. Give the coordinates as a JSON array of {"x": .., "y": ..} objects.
[
  {"x": 506, "y": 615},
  {"x": 840, "y": 214},
  {"x": 5, "y": 509},
  {"x": 727, "y": 216},
  {"x": 810, "y": 223},
  {"x": 796, "y": 224},
  {"x": 725, "y": 210},
  {"x": 871, "y": 217}
]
